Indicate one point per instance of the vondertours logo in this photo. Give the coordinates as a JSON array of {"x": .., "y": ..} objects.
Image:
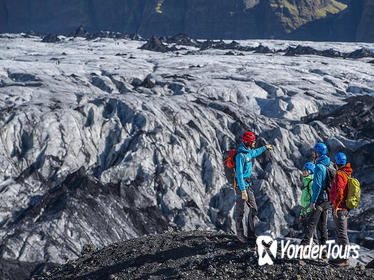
[{"x": 268, "y": 247}]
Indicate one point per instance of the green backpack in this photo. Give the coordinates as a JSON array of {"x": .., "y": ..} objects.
[{"x": 354, "y": 192}]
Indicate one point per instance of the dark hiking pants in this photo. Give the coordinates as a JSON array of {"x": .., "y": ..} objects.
[
  {"x": 239, "y": 214},
  {"x": 305, "y": 222},
  {"x": 341, "y": 228},
  {"x": 318, "y": 219}
]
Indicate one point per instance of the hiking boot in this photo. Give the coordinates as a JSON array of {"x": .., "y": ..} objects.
[
  {"x": 339, "y": 262},
  {"x": 342, "y": 263},
  {"x": 251, "y": 242},
  {"x": 241, "y": 238},
  {"x": 324, "y": 254}
]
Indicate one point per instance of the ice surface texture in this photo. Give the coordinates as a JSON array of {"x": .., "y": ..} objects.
[{"x": 101, "y": 141}]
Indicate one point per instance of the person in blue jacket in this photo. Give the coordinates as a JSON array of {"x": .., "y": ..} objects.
[
  {"x": 243, "y": 169},
  {"x": 319, "y": 202}
]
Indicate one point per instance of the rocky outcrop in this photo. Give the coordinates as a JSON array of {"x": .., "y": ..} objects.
[
  {"x": 154, "y": 44},
  {"x": 353, "y": 24},
  {"x": 51, "y": 38},
  {"x": 192, "y": 255},
  {"x": 216, "y": 19},
  {"x": 293, "y": 14}
]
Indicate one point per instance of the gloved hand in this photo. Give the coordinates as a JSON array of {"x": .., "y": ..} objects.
[
  {"x": 269, "y": 147},
  {"x": 244, "y": 195}
]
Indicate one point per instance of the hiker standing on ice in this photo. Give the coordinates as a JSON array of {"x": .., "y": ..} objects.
[
  {"x": 306, "y": 195},
  {"x": 320, "y": 198},
  {"x": 244, "y": 194},
  {"x": 338, "y": 197}
]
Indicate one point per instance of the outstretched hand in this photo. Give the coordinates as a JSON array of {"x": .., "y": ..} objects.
[{"x": 269, "y": 147}]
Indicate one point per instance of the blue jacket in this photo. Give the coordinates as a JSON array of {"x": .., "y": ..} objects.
[
  {"x": 319, "y": 181},
  {"x": 243, "y": 169}
]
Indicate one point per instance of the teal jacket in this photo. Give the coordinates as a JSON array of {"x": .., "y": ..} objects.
[
  {"x": 243, "y": 164},
  {"x": 306, "y": 194},
  {"x": 319, "y": 180}
]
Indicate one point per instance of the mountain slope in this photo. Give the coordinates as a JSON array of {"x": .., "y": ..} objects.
[
  {"x": 366, "y": 26},
  {"x": 238, "y": 19}
]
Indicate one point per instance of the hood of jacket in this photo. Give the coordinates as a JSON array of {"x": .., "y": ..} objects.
[
  {"x": 243, "y": 149},
  {"x": 347, "y": 169},
  {"x": 324, "y": 160}
]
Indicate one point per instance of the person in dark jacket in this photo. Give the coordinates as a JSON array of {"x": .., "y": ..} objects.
[
  {"x": 338, "y": 196},
  {"x": 244, "y": 194},
  {"x": 319, "y": 201}
]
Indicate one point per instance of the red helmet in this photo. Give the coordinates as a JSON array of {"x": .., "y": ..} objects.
[{"x": 248, "y": 137}]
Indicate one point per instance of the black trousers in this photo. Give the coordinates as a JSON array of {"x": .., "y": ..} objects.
[
  {"x": 318, "y": 219},
  {"x": 305, "y": 222},
  {"x": 239, "y": 214}
]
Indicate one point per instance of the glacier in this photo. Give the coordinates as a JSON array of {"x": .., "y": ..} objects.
[{"x": 102, "y": 141}]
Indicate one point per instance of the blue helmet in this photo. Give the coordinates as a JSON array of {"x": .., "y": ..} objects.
[
  {"x": 341, "y": 158},
  {"x": 310, "y": 167},
  {"x": 320, "y": 148}
]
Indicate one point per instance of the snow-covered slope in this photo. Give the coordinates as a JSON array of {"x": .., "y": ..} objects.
[{"x": 102, "y": 141}]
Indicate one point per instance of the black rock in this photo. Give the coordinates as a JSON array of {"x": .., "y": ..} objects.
[
  {"x": 370, "y": 264},
  {"x": 148, "y": 82},
  {"x": 154, "y": 44},
  {"x": 301, "y": 50},
  {"x": 81, "y": 32},
  {"x": 107, "y": 34},
  {"x": 363, "y": 52},
  {"x": 331, "y": 53},
  {"x": 88, "y": 248},
  {"x": 208, "y": 44},
  {"x": 263, "y": 49},
  {"x": 221, "y": 45},
  {"x": 355, "y": 118},
  {"x": 22, "y": 77},
  {"x": 181, "y": 39},
  {"x": 51, "y": 38}
]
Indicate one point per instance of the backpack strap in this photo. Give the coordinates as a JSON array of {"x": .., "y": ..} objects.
[
  {"x": 308, "y": 187},
  {"x": 344, "y": 173},
  {"x": 246, "y": 160},
  {"x": 245, "y": 157},
  {"x": 326, "y": 172}
]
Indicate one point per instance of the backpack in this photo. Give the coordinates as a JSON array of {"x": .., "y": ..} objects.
[
  {"x": 330, "y": 175},
  {"x": 309, "y": 187},
  {"x": 229, "y": 164},
  {"x": 354, "y": 192}
]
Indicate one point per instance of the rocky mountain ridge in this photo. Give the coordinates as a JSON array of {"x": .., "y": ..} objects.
[{"x": 223, "y": 19}]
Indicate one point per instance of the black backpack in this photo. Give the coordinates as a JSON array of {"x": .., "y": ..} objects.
[{"x": 330, "y": 175}]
